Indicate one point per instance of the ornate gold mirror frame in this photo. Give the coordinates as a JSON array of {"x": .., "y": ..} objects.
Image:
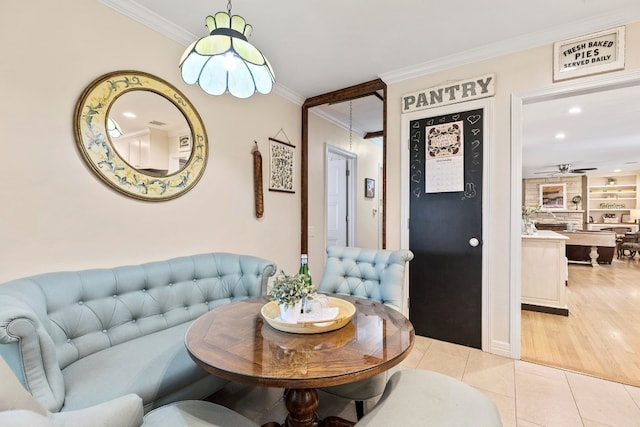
[{"x": 92, "y": 137}]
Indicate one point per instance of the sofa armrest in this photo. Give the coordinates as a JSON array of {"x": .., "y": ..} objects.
[
  {"x": 29, "y": 350},
  {"x": 23, "y": 417},
  {"x": 125, "y": 411},
  {"x": 268, "y": 270}
]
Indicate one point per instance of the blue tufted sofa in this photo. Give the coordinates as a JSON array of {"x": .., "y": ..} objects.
[{"x": 76, "y": 339}]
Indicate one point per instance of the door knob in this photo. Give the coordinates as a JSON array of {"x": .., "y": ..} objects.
[{"x": 474, "y": 242}]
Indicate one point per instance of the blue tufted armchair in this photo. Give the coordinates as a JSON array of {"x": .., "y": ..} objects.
[{"x": 374, "y": 274}]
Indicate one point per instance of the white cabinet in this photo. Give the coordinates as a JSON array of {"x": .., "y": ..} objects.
[
  {"x": 147, "y": 150},
  {"x": 544, "y": 272},
  {"x": 610, "y": 198}
]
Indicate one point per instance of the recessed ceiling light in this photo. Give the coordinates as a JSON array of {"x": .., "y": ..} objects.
[
  {"x": 560, "y": 135},
  {"x": 130, "y": 115},
  {"x": 575, "y": 110},
  {"x": 617, "y": 170}
]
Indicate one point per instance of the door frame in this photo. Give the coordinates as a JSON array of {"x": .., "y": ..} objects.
[
  {"x": 518, "y": 100},
  {"x": 487, "y": 105},
  {"x": 352, "y": 167}
]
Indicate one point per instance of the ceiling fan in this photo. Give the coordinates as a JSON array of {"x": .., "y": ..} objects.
[{"x": 565, "y": 169}]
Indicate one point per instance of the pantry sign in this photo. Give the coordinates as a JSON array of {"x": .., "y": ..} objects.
[{"x": 591, "y": 54}]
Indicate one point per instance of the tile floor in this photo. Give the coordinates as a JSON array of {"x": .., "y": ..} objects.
[{"x": 526, "y": 394}]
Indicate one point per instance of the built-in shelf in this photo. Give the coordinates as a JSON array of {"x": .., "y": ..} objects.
[
  {"x": 600, "y": 225},
  {"x": 611, "y": 196}
]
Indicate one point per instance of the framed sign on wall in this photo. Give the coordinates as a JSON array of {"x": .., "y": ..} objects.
[
  {"x": 590, "y": 54},
  {"x": 281, "y": 159},
  {"x": 369, "y": 188}
]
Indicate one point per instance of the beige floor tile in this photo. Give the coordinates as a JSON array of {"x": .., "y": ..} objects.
[
  {"x": 603, "y": 401},
  {"x": 444, "y": 363},
  {"x": 422, "y": 343},
  {"x": 524, "y": 423},
  {"x": 541, "y": 370},
  {"x": 490, "y": 372},
  {"x": 446, "y": 358},
  {"x": 634, "y": 392},
  {"x": 412, "y": 361},
  {"x": 449, "y": 348},
  {"x": 589, "y": 423},
  {"x": 545, "y": 401},
  {"x": 506, "y": 407},
  {"x": 420, "y": 346}
]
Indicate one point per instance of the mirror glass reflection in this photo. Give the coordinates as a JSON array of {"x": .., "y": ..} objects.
[{"x": 149, "y": 133}]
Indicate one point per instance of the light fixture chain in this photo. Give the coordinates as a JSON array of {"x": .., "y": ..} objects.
[
  {"x": 229, "y": 7},
  {"x": 350, "y": 125}
]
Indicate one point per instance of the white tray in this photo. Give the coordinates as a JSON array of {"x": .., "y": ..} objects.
[{"x": 271, "y": 313}]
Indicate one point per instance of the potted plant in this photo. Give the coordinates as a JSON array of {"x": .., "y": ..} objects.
[
  {"x": 289, "y": 292},
  {"x": 528, "y": 227}
]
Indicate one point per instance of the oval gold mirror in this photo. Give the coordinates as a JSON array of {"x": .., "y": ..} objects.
[{"x": 140, "y": 135}]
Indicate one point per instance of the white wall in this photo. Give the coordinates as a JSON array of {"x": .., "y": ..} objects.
[
  {"x": 56, "y": 215},
  {"x": 369, "y": 160},
  {"x": 522, "y": 71}
]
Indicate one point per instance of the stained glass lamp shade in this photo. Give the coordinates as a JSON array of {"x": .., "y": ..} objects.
[
  {"x": 113, "y": 128},
  {"x": 224, "y": 61}
]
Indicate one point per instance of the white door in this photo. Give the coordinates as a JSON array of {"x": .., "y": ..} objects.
[{"x": 340, "y": 224}]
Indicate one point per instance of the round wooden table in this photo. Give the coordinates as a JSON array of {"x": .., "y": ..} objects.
[{"x": 234, "y": 342}]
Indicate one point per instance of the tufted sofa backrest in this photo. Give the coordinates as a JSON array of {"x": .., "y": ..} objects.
[
  {"x": 87, "y": 311},
  {"x": 51, "y": 320},
  {"x": 373, "y": 274}
]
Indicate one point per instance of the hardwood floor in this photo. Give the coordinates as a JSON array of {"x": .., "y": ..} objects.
[{"x": 601, "y": 335}]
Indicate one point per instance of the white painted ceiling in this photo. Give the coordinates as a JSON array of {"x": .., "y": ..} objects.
[
  {"x": 318, "y": 46},
  {"x": 604, "y": 135}
]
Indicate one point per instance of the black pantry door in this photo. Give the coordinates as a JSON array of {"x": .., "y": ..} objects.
[{"x": 445, "y": 235}]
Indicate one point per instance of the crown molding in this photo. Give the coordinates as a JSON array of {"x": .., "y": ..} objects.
[
  {"x": 319, "y": 111},
  {"x": 288, "y": 94},
  {"x": 516, "y": 44},
  {"x": 151, "y": 19}
]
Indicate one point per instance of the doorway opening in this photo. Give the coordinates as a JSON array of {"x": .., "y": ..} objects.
[
  {"x": 578, "y": 274},
  {"x": 340, "y": 190}
]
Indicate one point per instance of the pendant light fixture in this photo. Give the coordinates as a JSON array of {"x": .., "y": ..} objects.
[
  {"x": 224, "y": 61},
  {"x": 113, "y": 128}
]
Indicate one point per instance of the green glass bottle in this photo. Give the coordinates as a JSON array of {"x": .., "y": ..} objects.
[
  {"x": 304, "y": 270},
  {"x": 304, "y": 267}
]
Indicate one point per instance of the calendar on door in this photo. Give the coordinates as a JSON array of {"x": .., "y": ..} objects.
[{"x": 444, "y": 163}]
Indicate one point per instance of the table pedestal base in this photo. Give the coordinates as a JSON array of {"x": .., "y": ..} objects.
[
  {"x": 302, "y": 405},
  {"x": 336, "y": 422}
]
